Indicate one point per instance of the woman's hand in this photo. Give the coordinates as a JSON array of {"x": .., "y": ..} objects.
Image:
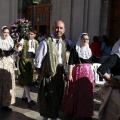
[
  {"x": 70, "y": 78},
  {"x": 107, "y": 77},
  {"x": 18, "y": 44}
]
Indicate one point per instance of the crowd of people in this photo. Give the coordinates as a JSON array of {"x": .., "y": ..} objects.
[
  {"x": 101, "y": 49},
  {"x": 65, "y": 74}
]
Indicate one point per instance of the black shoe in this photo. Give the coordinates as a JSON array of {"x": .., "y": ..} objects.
[
  {"x": 24, "y": 99},
  {"x": 6, "y": 108},
  {"x": 36, "y": 83},
  {"x": 31, "y": 103}
]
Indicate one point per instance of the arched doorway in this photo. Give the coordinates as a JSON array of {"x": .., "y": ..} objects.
[{"x": 115, "y": 21}]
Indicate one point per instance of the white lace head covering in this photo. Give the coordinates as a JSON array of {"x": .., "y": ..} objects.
[
  {"x": 6, "y": 44},
  {"x": 3, "y": 27},
  {"x": 116, "y": 48},
  {"x": 83, "y": 51}
]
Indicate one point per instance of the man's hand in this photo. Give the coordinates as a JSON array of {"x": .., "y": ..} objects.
[{"x": 39, "y": 70}]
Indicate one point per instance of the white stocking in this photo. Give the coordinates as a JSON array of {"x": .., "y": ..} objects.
[
  {"x": 24, "y": 94},
  {"x": 27, "y": 91}
]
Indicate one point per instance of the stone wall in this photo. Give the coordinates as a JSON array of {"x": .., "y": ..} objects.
[
  {"x": 8, "y": 12},
  {"x": 91, "y": 16},
  {"x": 79, "y": 16}
]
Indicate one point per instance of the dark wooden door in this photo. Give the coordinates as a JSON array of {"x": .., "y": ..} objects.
[
  {"x": 115, "y": 21},
  {"x": 42, "y": 18}
]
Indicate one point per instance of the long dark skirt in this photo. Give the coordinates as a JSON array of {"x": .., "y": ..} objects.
[
  {"x": 50, "y": 96},
  {"x": 78, "y": 97},
  {"x": 7, "y": 82},
  {"x": 25, "y": 72}
]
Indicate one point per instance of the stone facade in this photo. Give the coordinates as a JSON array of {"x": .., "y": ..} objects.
[
  {"x": 80, "y": 16},
  {"x": 8, "y": 12},
  {"x": 91, "y": 16}
]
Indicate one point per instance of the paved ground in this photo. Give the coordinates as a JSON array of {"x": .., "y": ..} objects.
[{"x": 22, "y": 112}]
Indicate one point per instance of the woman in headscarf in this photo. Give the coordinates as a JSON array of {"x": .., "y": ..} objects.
[
  {"x": 110, "y": 94},
  {"x": 78, "y": 96},
  {"x": 7, "y": 77}
]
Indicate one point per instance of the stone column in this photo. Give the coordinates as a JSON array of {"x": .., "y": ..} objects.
[
  {"x": 105, "y": 17},
  {"x": 8, "y": 12},
  {"x": 20, "y": 8},
  {"x": 86, "y": 15},
  {"x": 13, "y": 10}
]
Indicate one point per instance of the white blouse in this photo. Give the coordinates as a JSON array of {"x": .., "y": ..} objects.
[{"x": 6, "y": 44}]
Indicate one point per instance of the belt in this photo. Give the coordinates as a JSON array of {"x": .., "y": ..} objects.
[
  {"x": 6, "y": 53},
  {"x": 30, "y": 55}
]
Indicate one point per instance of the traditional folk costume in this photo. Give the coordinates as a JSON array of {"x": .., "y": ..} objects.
[
  {"x": 50, "y": 57},
  {"x": 7, "y": 76},
  {"x": 78, "y": 97},
  {"x": 110, "y": 94},
  {"x": 26, "y": 61}
]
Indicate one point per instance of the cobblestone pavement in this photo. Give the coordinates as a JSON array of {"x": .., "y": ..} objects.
[{"x": 22, "y": 112}]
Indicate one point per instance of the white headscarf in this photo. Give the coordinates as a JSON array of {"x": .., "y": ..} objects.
[
  {"x": 83, "y": 51},
  {"x": 6, "y": 44},
  {"x": 3, "y": 27},
  {"x": 116, "y": 48}
]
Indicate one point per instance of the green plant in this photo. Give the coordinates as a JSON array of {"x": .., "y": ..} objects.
[{"x": 20, "y": 28}]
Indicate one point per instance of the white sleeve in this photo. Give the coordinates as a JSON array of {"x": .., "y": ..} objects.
[
  {"x": 40, "y": 54},
  {"x": 21, "y": 47}
]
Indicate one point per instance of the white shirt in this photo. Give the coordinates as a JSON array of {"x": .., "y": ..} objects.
[
  {"x": 31, "y": 46},
  {"x": 42, "y": 51},
  {"x": 59, "y": 47},
  {"x": 40, "y": 54}
]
